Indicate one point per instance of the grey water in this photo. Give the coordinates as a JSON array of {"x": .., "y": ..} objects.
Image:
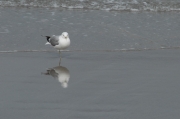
[
  {"x": 21, "y": 29},
  {"x": 109, "y": 5},
  {"x": 121, "y": 63},
  {"x": 102, "y": 85}
]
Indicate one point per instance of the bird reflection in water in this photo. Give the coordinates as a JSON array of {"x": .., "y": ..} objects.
[{"x": 61, "y": 74}]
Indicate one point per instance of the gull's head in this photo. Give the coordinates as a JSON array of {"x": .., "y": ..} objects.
[{"x": 65, "y": 35}]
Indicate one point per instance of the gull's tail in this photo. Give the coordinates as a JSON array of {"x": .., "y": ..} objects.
[{"x": 48, "y": 38}]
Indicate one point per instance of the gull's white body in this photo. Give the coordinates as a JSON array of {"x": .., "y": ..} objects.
[
  {"x": 60, "y": 42},
  {"x": 63, "y": 43}
]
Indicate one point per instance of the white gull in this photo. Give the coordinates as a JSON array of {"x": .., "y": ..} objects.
[{"x": 60, "y": 42}]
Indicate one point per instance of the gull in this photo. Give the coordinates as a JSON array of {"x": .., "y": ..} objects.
[{"x": 60, "y": 42}]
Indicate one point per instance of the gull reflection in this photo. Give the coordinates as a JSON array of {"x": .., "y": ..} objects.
[{"x": 61, "y": 74}]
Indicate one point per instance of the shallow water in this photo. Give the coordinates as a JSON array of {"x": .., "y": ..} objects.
[
  {"x": 119, "y": 64},
  {"x": 108, "y": 5},
  {"x": 102, "y": 85},
  {"x": 21, "y": 29}
]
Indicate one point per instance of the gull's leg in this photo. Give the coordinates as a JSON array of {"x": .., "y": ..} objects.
[{"x": 60, "y": 57}]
